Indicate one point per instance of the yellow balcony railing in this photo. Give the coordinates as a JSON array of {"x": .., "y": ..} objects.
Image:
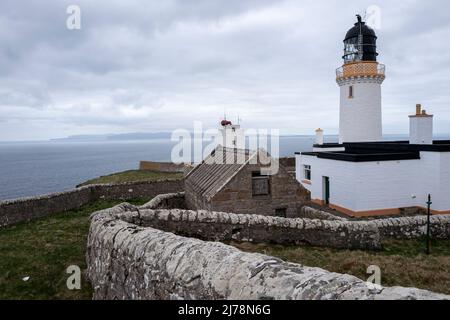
[{"x": 359, "y": 69}]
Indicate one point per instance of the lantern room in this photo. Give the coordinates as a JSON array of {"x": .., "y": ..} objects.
[{"x": 360, "y": 43}]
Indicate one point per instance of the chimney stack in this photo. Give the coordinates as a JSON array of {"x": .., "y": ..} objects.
[
  {"x": 319, "y": 136},
  {"x": 420, "y": 127},
  {"x": 418, "y": 109}
]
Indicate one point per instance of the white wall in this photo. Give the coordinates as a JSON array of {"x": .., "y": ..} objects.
[
  {"x": 233, "y": 136},
  {"x": 364, "y": 186},
  {"x": 341, "y": 174},
  {"x": 360, "y": 117},
  {"x": 328, "y": 149},
  {"x": 441, "y": 197},
  {"x": 421, "y": 129}
]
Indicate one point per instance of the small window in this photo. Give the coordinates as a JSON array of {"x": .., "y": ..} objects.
[
  {"x": 350, "y": 92},
  {"x": 260, "y": 184},
  {"x": 281, "y": 212},
  {"x": 307, "y": 172}
]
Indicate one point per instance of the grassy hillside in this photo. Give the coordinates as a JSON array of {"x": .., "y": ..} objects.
[
  {"x": 133, "y": 176},
  {"x": 42, "y": 250},
  {"x": 402, "y": 262}
]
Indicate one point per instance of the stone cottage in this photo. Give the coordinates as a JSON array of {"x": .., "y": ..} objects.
[{"x": 243, "y": 181}]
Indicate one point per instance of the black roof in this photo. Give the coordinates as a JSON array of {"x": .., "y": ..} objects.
[
  {"x": 396, "y": 146},
  {"x": 367, "y": 48},
  {"x": 360, "y": 26},
  {"x": 382, "y": 151},
  {"x": 328, "y": 145},
  {"x": 369, "y": 157}
]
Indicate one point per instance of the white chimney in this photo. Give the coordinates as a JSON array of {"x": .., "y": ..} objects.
[
  {"x": 233, "y": 136},
  {"x": 319, "y": 136},
  {"x": 421, "y": 127}
]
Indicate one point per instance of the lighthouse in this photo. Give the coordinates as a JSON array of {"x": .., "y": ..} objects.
[
  {"x": 360, "y": 79},
  {"x": 363, "y": 176}
]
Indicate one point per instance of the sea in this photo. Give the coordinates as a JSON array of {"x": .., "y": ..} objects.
[{"x": 41, "y": 167}]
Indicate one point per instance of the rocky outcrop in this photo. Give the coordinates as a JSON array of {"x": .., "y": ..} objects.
[{"x": 129, "y": 261}]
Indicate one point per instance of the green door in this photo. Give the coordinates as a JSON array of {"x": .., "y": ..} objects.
[{"x": 326, "y": 190}]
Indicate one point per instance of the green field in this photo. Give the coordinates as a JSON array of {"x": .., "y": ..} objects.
[
  {"x": 133, "y": 176},
  {"x": 42, "y": 250}
]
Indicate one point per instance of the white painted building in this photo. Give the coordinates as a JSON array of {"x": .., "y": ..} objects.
[
  {"x": 363, "y": 175},
  {"x": 233, "y": 136},
  {"x": 360, "y": 104},
  {"x": 421, "y": 127},
  {"x": 370, "y": 188}
]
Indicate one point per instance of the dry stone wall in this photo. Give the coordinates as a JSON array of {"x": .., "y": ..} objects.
[
  {"x": 413, "y": 227},
  {"x": 126, "y": 191},
  {"x": 313, "y": 213},
  {"x": 129, "y": 261},
  {"x": 25, "y": 209},
  {"x": 221, "y": 226},
  {"x": 166, "y": 201},
  {"x": 164, "y": 166}
]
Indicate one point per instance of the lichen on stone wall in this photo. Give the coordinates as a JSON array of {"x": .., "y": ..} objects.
[
  {"x": 128, "y": 261},
  {"x": 25, "y": 209},
  {"x": 413, "y": 227},
  {"x": 313, "y": 213},
  {"x": 222, "y": 226},
  {"x": 166, "y": 201}
]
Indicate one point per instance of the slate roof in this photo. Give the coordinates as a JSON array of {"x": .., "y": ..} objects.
[{"x": 210, "y": 176}]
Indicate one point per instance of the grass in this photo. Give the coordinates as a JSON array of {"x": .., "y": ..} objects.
[
  {"x": 133, "y": 176},
  {"x": 402, "y": 262},
  {"x": 42, "y": 250}
]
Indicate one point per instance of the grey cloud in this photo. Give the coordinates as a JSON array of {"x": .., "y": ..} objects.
[{"x": 160, "y": 65}]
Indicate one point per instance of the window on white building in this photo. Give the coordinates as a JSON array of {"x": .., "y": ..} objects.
[
  {"x": 350, "y": 92},
  {"x": 307, "y": 172}
]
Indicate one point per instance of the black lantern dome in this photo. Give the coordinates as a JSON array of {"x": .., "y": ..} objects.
[{"x": 360, "y": 43}]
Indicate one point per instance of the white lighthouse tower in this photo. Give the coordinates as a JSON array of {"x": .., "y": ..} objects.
[{"x": 360, "y": 80}]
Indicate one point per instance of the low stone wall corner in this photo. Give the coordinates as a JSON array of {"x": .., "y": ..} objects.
[
  {"x": 222, "y": 226},
  {"x": 166, "y": 201},
  {"x": 129, "y": 261}
]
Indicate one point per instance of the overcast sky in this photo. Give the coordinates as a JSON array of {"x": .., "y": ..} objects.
[{"x": 146, "y": 66}]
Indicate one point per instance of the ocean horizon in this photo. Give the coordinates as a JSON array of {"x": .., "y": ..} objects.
[{"x": 41, "y": 167}]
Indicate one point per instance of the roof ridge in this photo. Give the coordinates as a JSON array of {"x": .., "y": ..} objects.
[{"x": 251, "y": 156}]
